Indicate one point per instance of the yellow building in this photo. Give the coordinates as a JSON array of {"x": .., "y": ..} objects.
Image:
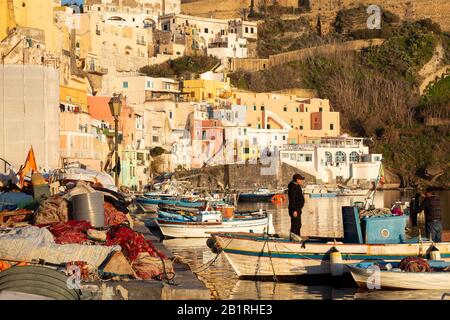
[
  {"x": 307, "y": 117},
  {"x": 32, "y": 14},
  {"x": 201, "y": 90}
]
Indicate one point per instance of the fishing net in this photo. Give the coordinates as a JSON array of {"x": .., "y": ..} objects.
[{"x": 414, "y": 264}]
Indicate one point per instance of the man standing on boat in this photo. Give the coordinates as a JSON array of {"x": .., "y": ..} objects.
[
  {"x": 296, "y": 203},
  {"x": 433, "y": 216}
]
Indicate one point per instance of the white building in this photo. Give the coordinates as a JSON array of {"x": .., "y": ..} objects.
[
  {"x": 332, "y": 160},
  {"x": 138, "y": 13},
  {"x": 221, "y": 38}
]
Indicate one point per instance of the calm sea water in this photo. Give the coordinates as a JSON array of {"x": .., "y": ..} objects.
[{"x": 320, "y": 217}]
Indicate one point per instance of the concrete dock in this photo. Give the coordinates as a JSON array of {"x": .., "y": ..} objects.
[{"x": 187, "y": 285}]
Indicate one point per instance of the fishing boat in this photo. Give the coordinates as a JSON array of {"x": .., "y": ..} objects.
[
  {"x": 352, "y": 193},
  {"x": 258, "y": 256},
  {"x": 376, "y": 275},
  {"x": 151, "y": 203},
  {"x": 212, "y": 222},
  {"x": 260, "y": 195},
  {"x": 365, "y": 239}
]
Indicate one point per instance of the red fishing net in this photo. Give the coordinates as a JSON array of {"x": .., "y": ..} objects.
[
  {"x": 113, "y": 217},
  {"x": 70, "y": 232},
  {"x": 132, "y": 243}
]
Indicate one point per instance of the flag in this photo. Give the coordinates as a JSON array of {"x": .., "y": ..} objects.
[{"x": 30, "y": 165}]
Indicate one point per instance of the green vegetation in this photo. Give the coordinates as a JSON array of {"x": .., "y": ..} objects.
[
  {"x": 181, "y": 67},
  {"x": 376, "y": 93}
]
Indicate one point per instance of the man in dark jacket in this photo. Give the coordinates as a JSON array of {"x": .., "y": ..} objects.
[
  {"x": 296, "y": 203},
  {"x": 433, "y": 216}
]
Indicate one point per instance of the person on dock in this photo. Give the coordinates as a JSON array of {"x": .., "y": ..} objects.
[
  {"x": 433, "y": 215},
  {"x": 296, "y": 203}
]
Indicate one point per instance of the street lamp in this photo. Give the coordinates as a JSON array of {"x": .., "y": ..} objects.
[{"x": 115, "y": 106}]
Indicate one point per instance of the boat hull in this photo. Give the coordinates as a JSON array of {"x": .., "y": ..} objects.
[
  {"x": 401, "y": 280},
  {"x": 255, "y": 257},
  {"x": 255, "y": 197},
  {"x": 172, "y": 229}
]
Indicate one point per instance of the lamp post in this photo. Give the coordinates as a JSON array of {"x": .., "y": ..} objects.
[{"x": 115, "y": 106}]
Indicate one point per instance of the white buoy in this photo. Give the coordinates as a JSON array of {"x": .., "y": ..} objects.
[
  {"x": 435, "y": 254},
  {"x": 336, "y": 264}
]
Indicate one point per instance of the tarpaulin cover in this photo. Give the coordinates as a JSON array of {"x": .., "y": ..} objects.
[
  {"x": 14, "y": 200},
  {"x": 28, "y": 243}
]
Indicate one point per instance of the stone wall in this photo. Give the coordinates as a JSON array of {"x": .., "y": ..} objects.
[
  {"x": 252, "y": 65},
  {"x": 241, "y": 177}
]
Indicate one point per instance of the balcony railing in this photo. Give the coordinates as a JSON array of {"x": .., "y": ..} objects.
[
  {"x": 141, "y": 42},
  {"x": 79, "y": 154},
  {"x": 97, "y": 69}
]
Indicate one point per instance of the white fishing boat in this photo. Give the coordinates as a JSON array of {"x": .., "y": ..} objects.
[
  {"x": 370, "y": 275},
  {"x": 214, "y": 223},
  {"x": 257, "y": 256}
]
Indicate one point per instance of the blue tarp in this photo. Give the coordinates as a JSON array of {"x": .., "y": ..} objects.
[{"x": 14, "y": 200}]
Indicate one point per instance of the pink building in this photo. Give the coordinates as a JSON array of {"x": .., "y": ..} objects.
[{"x": 207, "y": 141}]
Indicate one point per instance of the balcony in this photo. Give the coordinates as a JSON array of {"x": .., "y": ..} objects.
[
  {"x": 97, "y": 70},
  {"x": 141, "y": 42},
  {"x": 97, "y": 32}
]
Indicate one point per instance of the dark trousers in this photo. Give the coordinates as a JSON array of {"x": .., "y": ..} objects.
[
  {"x": 296, "y": 224},
  {"x": 433, "y": 229}
]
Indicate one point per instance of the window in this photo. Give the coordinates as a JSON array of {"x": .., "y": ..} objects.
[
  {"x": 340, "y": 157},
  {"x": 297, "y": 110},
  {"x": 254, "y": 108},
  {"x": 125, "y": 84},
  {"x": 252, "y": 30},
  {"x": 301, "y": 128},
  {"x": 284, "y": 138},
  {"x": 320, "y": 109},
  {"x": 268, "y": 126},
  {"x": 262, "y": 108},
  {"x": 170, "y": 115},
  {"x": 149, "y": 84},
  {"x": 331, "y": 126},
  {"x": 246, "y": 29},
  {"x": 155, "y": 139},
  {"x": 292, "y": 157},
  {"x": 328, "y": 157},
  {"x": 354, "y": 156},
  {"x": 284, "y": 155},
  {"x": 284, "y": 109},
  {"x": 246, "y": 150},
  {"x": 276, "y": 138},
  {"x": 206, "y": 30},
  {"x": 255, "y": 141}
]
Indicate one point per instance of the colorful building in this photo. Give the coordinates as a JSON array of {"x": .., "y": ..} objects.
[
  {"x": 306, "y": 117},
  {"x": 201, "y": 90}
]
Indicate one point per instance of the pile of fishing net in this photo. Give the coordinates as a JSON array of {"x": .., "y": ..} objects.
[
  {"x": 51, "y": 210},
  {"x": 113, "y": 217},
  {"x": 414, "y": 264},
  {"x": 131, "y": 242},
  {"x": 70, "y": 232},
  {"x": 378, "y": 212},
  {"x": 147, "y": 261}
]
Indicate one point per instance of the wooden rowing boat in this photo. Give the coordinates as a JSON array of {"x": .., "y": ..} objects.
[
  {"x": 369, "y": 275},
  {"x": 198, "y": 229}
]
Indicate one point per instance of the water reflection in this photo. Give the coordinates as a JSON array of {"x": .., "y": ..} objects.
[{"x": 320, "y": 217}]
